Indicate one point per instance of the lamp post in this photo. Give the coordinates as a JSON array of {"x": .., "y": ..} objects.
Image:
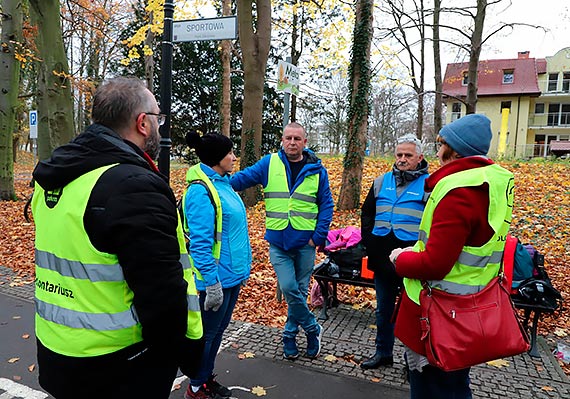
[{"x": 166, "y": 89}]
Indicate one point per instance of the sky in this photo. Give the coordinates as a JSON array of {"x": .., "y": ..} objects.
[{"x": 553, "y": 15}]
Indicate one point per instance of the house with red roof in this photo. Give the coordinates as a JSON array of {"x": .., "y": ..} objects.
[{"x": 527, "y": 100}]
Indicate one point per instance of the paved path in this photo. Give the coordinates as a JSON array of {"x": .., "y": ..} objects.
[{"x": 348, "y": 338}]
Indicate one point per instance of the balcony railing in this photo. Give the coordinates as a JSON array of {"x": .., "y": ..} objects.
[
  {"x": 552, "y": 87},
  {"x": 558, "y": 119},
  {"x": 532, "y": 151}
]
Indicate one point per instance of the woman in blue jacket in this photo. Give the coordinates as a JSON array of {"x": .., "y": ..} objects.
[{"x": 219, "y": 246}]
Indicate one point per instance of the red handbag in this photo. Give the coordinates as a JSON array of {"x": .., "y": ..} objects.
[{"x": 460, "y": 331}]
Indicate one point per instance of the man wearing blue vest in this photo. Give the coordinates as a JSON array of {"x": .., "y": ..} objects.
[
  {"x": 115, "y": 317},
  {"x": 390, "y": 218},
  {"x": 298, "y": 209}
]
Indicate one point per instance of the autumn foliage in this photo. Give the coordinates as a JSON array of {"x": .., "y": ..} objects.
[{"x": 541, "y": 216}]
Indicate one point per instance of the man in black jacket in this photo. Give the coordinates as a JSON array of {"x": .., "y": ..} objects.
[
  {"x": 115, "y": 317},
  {"x": 391, "y": 215}
]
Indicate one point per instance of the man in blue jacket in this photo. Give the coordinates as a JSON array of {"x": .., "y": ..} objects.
[
  {"x": 299, "y": 209},
  {"x": 391, "y": 215}
]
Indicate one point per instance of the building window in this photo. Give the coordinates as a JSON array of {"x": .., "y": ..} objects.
[
  {"x": 508, "y": 76},
  {"x": 505, "y": 104},
  {"x": 566, "y": 82},
  {"x": 553, "y": 114},
  {"x": 552, "y": 81},
  {"x": 455, "y": 111},
  {"x": 539, "y": 108},
  {"x": 565, "y": 115},
  {"x": 465, "y": 79},
  {"x": 558, "y": 115}
]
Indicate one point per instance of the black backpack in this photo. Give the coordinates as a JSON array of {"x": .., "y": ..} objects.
[
  {"x": 535, "y": 291},
  {"x": 538, "y": 289}
]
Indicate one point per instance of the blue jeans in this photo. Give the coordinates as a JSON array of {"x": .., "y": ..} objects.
[
  {"x": 433, "y": 382},
  {"x": 293, "y": 269},
  {"x": 386, "y": 292},
  {"x": 214, "y": 324}
]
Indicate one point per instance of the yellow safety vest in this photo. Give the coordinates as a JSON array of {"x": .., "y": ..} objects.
[
  {"x": 84, "y": 306},
  {"x": 281, "y": 207},
  {"x": 196, "y": 175},
  {"x": 476, "y": 266}
]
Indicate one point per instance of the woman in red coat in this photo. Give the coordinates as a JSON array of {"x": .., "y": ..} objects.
[{"x": 460, "y": 223}]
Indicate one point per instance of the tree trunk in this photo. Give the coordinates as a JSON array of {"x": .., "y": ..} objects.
[
  {"x": 420, "y": 86},
  {"x": 437, "y": 107},
  {"x": 359, "y": 107},
  {"x": 226, "y": 103},
  {"x": 255, "y": 51},
  {"x": 55, "y": 105},
  {"x": 476, "y": 43},
  {"x": 9, "y": 88}
]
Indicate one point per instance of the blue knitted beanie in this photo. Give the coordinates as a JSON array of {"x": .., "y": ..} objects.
[{"x": 469, "y": 135}]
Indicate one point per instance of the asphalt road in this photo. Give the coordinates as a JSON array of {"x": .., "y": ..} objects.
[{"x": 249, "y": 378}]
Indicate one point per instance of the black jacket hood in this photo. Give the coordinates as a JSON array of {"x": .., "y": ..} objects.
[{"x": 97, "y": 146}]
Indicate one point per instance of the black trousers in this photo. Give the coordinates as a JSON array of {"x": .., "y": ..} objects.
[{"x": 131, "y": 373}]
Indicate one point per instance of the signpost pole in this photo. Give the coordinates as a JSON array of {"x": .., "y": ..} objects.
[
  {"x": 286, "y": 103},
  {"x": 33, "y": 116},
  {"x": 166, "y": 89}
]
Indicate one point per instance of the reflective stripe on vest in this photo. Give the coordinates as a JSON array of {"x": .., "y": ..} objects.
[
  {"x": 282, "y": 207},
  {"x": 196, "y": 175},
  {"x": 476, "y": 266},
  {"x": 81, "y": 294},
  {"x": 194, "y": 329},
  {"x": 65, "y": 305},
  {"x": 401, "y": 214}
]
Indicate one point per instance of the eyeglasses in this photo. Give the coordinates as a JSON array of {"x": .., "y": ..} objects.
[{"x": 160, "y": 118}]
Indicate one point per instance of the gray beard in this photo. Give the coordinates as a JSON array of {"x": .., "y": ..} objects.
[{"x": 152, "y": 146}]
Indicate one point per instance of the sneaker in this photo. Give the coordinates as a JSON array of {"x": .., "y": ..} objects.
[
  {"x": 216, "y": 388},
  {"x": 199, "y": 394},
  {"x": 314, "y": 342},
  {"x": 290, "y": 350}
]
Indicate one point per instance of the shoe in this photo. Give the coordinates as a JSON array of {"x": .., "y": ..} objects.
[
  {"x": 314, "y": 342},
  {"x": 200, "y": 394},
  {"x": 376, "y": 361},
  {"x": 214, "y": 387},
  {"x": 290, "y": 350}
]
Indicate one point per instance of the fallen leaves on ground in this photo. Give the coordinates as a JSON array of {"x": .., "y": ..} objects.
[
  {"x": 498, "y": 363},
  {"x": 331, "y": 358},
  {"x": 13, "y": 359},
  {"x": 259, "y": 391},
  {"x": 246, "y": 355},
  {"x": 542, "y": 198}
]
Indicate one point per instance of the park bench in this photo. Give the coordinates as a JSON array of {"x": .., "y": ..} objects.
[{"x": 532, "y": 312}]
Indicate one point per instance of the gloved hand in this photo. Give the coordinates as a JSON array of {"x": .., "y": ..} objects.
[
  {"x": 214, "y": 297},
  {"x": 396, "y": 252}
]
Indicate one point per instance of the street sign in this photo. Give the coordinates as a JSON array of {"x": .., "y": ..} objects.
[
  {"x": 33, "y": 124},
  {"x": 288, "y": 78},
  {"x": 205, "y": 29}
]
